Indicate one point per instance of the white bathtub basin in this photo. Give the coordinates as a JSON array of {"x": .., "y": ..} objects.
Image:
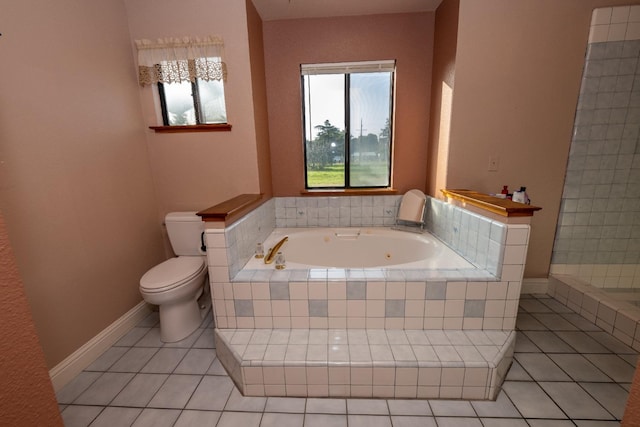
[{"x": 360, "y": 248}]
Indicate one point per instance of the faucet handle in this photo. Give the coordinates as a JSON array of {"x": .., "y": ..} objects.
[
  {"x": 280, "y": 261},
  {"x": 259, "y": 250}
]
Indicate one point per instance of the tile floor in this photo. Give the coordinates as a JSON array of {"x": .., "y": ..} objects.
[{"x": 566, "y": 372}]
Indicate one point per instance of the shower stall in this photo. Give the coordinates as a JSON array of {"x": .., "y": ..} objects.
[{"x": 598, "y": 233}]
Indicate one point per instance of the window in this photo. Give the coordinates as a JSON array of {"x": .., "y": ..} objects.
[
  {"x": 347, "y": 113},
  {"x": 191, "y": 103},
  {"x": 190, "y": 74}
]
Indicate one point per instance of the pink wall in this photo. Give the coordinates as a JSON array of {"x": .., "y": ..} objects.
[
  {"x": 258, "y": 84},
  {"x": 75, "y": 184},
  {"x": 84, "y": 184},
  {"x": 26, "y": 394},
  {"x": 632, "y": 409},
  {"x": 408, "y": 38},
  {"x": 442, "y": 85},
  {"x": 193, "y": 171},
  {"x": 517, "y": 76}
]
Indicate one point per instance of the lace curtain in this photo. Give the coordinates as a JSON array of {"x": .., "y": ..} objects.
[{"x": 175, "y": 60}]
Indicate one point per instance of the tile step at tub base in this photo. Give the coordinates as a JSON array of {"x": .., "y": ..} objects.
[{"x": 367, "y": 363}]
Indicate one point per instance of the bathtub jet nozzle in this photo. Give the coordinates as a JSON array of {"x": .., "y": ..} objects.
[{"x": 271, "y": 255}]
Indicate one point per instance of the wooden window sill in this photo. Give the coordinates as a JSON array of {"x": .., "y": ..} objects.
[
  {"x": 350, "y": 192},
  {"x": 222, "y": 127}
]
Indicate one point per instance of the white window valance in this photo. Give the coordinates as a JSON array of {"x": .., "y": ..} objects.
[
  {"x": 348, "y": 67},
  {"x": 175, "y": 60}
]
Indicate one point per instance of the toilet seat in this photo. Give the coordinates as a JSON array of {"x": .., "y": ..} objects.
[{"x": 171, "y": 273}]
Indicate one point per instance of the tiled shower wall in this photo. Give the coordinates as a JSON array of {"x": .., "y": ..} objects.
[{"x": 598, "y": 234}]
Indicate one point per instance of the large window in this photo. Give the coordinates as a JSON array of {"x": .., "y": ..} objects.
[{"x": 347, "y": 111}]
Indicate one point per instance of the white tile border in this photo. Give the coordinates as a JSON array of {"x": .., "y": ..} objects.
[
  {"x": 602, "y": 275},
  {"x": 618, "y": 23},
  {"x": 535, "y": 285},
  {"x": 616, "y": 317}
]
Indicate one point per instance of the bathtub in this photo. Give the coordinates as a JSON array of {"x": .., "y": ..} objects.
[
  {"x": 360, "y": 248},
  {"x": 368, "y": 280}
]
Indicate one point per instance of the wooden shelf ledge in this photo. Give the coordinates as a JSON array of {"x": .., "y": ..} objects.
[
  {"x": 232, "y": 209},
  {"x": 496, "y": 205}
]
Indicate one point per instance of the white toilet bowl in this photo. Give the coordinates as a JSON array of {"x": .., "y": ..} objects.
[{"x": 174, "y": 286}]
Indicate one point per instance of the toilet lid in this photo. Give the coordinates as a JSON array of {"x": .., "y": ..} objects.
[{"x": 171, "y": 273}]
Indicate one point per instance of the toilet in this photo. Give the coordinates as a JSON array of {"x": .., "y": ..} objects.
[{"x": 176, "y": 284}]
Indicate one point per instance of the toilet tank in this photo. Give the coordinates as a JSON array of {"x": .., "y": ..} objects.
[{"x": 185, "y": 230}]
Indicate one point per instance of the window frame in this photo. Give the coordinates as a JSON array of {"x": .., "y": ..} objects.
[{"x": 346, "y": 69}]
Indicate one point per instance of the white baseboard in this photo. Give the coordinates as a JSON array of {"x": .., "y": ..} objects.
[
  {"x": 66, "y": 370},
  {"x": 535, "y": 286}
]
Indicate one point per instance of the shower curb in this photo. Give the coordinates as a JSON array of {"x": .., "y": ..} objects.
[{"x": 619, "y": 318}]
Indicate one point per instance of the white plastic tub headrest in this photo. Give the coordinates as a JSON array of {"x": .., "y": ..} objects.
[{"x": 412, "y": 206}]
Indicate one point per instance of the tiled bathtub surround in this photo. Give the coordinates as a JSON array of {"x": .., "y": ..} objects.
[
  {"x": 479, "y": 239},
  {"x": 323, "y": 302},
  {"x": 483, "y": 298},
  {"x": 239, "y": 240},
  {"x": 356, "y": 211},
  {"x": 304, "y": 302},
  {"x": 598, "y": 231}
]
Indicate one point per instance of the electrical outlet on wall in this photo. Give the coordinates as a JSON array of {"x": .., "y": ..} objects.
[{"x": 493, "y": 163}]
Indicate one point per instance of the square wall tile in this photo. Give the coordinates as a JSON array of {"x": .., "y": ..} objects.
[
  {"x": 517, "y": 235},
  {"x": 394, "y": 308},
  {"x": 436, "y": 291},
  {"x": 356, "y": 290},
  {"x": 474, "y": 308}
]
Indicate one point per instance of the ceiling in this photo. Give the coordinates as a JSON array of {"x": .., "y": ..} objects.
[{"x": 271, "y": 10}]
